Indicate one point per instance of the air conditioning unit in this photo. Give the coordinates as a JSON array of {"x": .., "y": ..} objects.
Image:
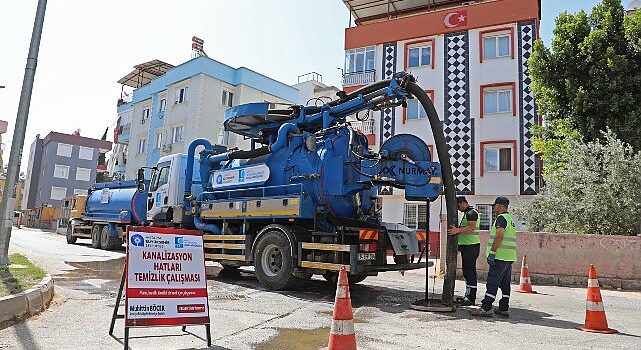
[{"x": 166, "y": 148}]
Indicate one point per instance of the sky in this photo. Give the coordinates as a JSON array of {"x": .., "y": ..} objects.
[{"x": 88, "y": 45}]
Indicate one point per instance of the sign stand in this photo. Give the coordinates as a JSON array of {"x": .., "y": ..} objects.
[{"x": 124, "y": 285}]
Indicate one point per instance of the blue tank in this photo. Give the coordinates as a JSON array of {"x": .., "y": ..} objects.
[{"x": 117, "y": 202}]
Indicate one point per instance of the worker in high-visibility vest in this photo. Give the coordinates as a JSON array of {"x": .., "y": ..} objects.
[
  {"x": 469, "y": 244},
  {"x": 500, "y": 253}
]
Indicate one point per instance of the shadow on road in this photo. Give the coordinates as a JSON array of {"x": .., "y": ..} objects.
[
  {"x": 25, "y": 337},
  {"x": 385, "y": 299}
]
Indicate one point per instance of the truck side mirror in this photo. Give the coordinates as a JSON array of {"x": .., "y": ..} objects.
[{"x": 141, "y": 179}]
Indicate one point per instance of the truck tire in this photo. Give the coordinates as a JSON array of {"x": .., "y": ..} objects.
[
  {"x": 70, "y": 238},
  {"x": 332, "y": 278},
  {"x": 108, "y": 242},
  {"x": 273, "y": 261},
  {"x": 95, "y": 236}
]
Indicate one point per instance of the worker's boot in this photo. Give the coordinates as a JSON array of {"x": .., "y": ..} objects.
[
  {"x": 480, "y": 312},
  {"x": 465, "y": 302},
  {"x": 501, "y": 313}
]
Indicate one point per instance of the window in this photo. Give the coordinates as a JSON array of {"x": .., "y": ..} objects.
[
  {"x": 85, "y": 153},
  {"x": 227, "y": 98},
  {"x": 497, "y": 101},
  {"x": 64, "y": 150},
  {"x": 145, "y": 114},
  {"x": 61, "y": 171},
  {"x": 58, "y": 193},
  {"x": 360, "y": 60},
  {"x": 163, "y": 104},
  {"x": 78, "y": 191},
  {"x": 161, "y": 177},
  {"x": 415, "y": 110},
  {"x": 181, "y": 94},
  {"x": 177, "y": 134},
  {"x": 487, "y": 215},
  {"x": 498, "y": 159},
  {"x": 415, "y": 215},
  {"x": 496, "y": 43},
  {"x": 159, "y": 140},
  {"x": 498, "y": 98},
  {"x": 83, "y": 174},
  {"x": 419, "y": 56},
  {"x": 142, "y": 144}
]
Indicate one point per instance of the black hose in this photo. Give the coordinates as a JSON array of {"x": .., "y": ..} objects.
[
  {"x": 362, "y": 91},
  {"x": 240, "y": 154},
  {"x": 448, "y": 182}
]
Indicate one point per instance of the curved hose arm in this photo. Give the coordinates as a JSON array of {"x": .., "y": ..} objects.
[{"x": 442, "y": 150}]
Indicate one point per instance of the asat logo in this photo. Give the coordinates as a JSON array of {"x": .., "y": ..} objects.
[
  {"x": 137, "y": 240},
  {"x": 179, "y": 242},
  {"x": 455, "y": 19},
  {"x": 219, "y": 179}
]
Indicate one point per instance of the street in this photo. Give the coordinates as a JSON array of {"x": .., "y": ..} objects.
[{"x": 245, "y": 316}]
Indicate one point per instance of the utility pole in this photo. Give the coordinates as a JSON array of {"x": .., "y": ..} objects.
[{"x": 9, "y": 194}]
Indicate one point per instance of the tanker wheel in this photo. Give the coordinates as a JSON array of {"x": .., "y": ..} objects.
[
  {"x": 95, "y": 236},
  {"x": 273, "y": 262},
  {"x": 332, "y": 277},
  {"x": 70, "y": 238},
  {"x": 108, "y": 242}
]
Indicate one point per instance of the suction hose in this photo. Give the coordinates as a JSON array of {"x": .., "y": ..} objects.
[{"x": 448, "y": 182}]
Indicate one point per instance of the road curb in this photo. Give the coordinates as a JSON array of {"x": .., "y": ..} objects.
[{"x": 28, "y": 303}]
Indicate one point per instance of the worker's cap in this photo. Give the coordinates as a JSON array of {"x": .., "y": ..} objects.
[
  {"x": 502, "y": 200},
  {"x": 461, "y": 199}
]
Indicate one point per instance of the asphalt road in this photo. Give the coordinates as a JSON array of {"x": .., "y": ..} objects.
[{"x": 245, "y": 316}]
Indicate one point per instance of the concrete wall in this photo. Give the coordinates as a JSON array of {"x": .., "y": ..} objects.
[{"x": 564, "y": 259}]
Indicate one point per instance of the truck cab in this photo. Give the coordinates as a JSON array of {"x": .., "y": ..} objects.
[{"x": 166, "y": 191}]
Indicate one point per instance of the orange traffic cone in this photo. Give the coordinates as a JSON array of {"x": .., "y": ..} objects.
[
  {"x": 595, "y": 320},
  {"x": 525, "y": 286},
  {"x": 341, "y": 335}
]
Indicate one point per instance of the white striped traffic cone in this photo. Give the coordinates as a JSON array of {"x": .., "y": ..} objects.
[
  {"x": 341, "y": 335},
  {"x": 525, "y": 285}
]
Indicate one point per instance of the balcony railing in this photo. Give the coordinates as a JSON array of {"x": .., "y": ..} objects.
[
  {"x": 366, "y": 126},
  {"x": 359, "y": 78}
]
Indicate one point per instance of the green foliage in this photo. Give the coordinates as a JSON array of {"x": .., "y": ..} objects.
[
  {"x": 596, "y": 191},
  {"x": 590, "y": 80},
  {"x": 21, "y": 275}
]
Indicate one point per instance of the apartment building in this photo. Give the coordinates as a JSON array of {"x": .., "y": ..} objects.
[
  {"x": 471, "y": 59},
  {"x": 171, "y": 106},
  {"x": 61, "y": 165}
]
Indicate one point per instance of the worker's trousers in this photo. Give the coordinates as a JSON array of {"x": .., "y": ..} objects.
[
  {"x": 499, "y": 276},
  {"x": 469, "y": 254}
]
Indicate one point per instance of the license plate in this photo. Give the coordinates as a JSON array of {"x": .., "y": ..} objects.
[{"x": 366, "y": 256}]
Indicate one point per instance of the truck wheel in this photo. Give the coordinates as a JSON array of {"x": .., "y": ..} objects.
[
  {"x": 95, "y": 236},
  {"x": 70, "y": 238},
  {"x": 273, "y": 261},
  {"x": 332, "y": 277},
  {"x": 108, "y": 242}
]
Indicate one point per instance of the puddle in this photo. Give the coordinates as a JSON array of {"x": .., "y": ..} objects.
[
  {"x": 296, "y": 339},
  {"x": 96, "y": 277}
]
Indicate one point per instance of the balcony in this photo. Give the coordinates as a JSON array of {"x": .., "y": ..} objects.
[
  {"x": 121, "y": 134},
  {"x": 359, "y": 78},
  {"x": 367, "y": 128}
]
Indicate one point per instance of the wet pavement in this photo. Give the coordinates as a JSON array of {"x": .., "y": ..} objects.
[{"x": 246, "y": 316}]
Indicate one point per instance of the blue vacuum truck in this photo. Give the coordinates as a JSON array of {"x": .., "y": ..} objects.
[
  {"x": 104, "y": 213},
  {"x": 300, "y": 201}
]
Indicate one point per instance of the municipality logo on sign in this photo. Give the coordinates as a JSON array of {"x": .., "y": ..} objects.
[
  {"x": 137, "y": 240},
  {"x": 179, "y": 242}
]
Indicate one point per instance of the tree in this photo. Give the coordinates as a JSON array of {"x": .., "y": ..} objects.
[
  {"x": 590, "y": 80},
  {"x": 595, "y": 192}
]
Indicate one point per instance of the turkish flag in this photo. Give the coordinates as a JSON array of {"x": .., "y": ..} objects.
[{"x": 455, "y": 19}]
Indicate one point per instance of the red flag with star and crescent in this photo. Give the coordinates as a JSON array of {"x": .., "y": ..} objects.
[{"x": 455, "y": 19}]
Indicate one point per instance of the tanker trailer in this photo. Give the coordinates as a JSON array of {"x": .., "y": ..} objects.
[
  {"x": 108, "y": 209},
  {"x": 302, "y": 200}
]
